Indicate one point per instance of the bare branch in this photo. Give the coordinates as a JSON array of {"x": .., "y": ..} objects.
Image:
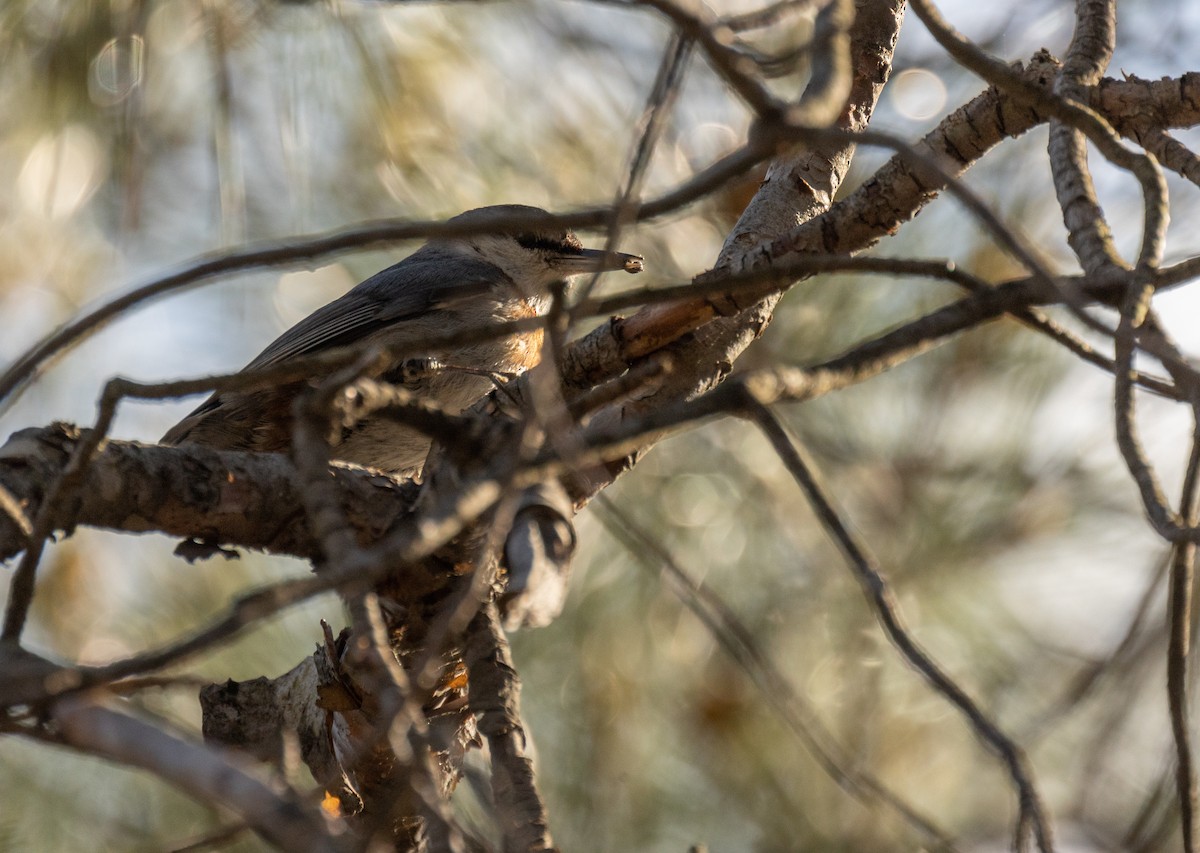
[
  {"x": 1182, "y": 592},
  {"x": 1173, "y": 154},
  {"x": 90, "y": 725},
  {"x": 1079, "y": 116},
  {"x": 697, "y": 23},
  {"x": 1088, "y": 55},
  {"x": 739, "y": 643},
  {"x": 882, "y": 601},
  {"x": 247, "y": 499},
  {"x": 663, "y": 95}
]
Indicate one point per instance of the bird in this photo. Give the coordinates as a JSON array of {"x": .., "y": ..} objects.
[{"x": 503, "y": 272}]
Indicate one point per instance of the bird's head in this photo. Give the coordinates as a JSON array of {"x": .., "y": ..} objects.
[{"x": 530, "y": 249}]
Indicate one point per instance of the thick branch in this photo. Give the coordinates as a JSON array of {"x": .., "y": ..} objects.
[{"x": 247, "y": 499}]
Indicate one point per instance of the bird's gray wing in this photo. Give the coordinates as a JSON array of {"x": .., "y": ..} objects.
[
  {"x": 422, "y": 282},
  {"x": 416, "y": 285}
]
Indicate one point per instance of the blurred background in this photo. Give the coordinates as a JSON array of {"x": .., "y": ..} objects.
[{"x": 138, "y": 134}]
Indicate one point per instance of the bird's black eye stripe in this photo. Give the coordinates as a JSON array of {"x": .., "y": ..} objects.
[{"x": 567, "y": 243}]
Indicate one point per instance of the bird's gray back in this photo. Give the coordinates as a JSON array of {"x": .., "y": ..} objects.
[{"x": 430, "y": 278}]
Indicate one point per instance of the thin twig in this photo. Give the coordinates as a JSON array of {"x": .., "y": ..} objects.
[
  {"x": 1182, "y": 591},
  {"x": 1165, "y": 521},
  {"x": 773, "y": 685},
  {"x": 663, "y": 94},
  {"x": 696, "y": 22},
  {"x": 52, "y": 514},
  {"x": 879, "y": 595}
]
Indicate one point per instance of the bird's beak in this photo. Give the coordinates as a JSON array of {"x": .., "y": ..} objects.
[{"x": 598, "y": 260}]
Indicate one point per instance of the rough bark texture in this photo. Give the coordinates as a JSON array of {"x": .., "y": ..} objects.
[{"x": 247, "y": 499}]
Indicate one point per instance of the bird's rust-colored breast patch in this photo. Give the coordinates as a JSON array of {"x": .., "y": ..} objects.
[{"x": 524, "y": 349}]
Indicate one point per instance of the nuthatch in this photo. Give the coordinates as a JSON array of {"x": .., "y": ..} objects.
[{"x": 449, "y": 284}]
